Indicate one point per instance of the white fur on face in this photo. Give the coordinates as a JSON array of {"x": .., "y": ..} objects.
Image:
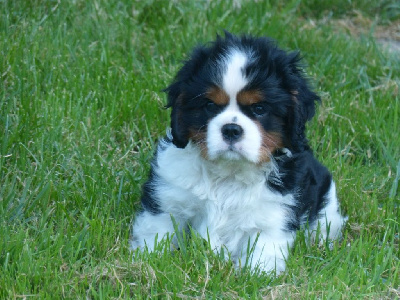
[
  {"x": 249, "y": 145},
  {"x": 233, "y": 80}
]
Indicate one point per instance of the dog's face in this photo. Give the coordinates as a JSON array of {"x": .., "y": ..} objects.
[{"x": 240, "y": 99}]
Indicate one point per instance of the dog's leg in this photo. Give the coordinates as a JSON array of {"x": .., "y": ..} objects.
[
  {"x": 330, "y": 220},
  {"x": 267, "y": 251},
  {"x": 149, "y": 229}
]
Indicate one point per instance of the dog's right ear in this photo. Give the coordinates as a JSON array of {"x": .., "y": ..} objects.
[
  {"x": 175, "y": 101},
  {"x": 176, "y": 94}
]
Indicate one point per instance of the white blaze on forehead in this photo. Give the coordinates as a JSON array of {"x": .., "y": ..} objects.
[
  {"x": 233, "y": 79},
  {"x": 249, "y": 145}
]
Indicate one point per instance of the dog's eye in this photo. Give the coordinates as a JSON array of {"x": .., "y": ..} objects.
[
  {"x": 258, "y": 109},
  {"x": 212, "y": 107}
]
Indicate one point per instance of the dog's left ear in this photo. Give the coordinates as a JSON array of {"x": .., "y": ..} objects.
[
  {"x": 175, "y": 98},
  {"x": 303, "y": 103}
]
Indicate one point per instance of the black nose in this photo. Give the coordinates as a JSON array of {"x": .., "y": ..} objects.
[{"x": 231, "y": 132}]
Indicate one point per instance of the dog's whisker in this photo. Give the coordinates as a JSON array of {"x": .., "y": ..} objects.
[{"x": 199, "y": 95}]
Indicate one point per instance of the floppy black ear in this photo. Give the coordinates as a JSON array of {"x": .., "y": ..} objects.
[
  {"x": 303, "y": 104},
  {"x": 178, "y": 130},
  {"x": 176, "y": 94}
]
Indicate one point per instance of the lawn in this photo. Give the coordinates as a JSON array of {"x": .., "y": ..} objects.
[{"x": 81, "y": 108}]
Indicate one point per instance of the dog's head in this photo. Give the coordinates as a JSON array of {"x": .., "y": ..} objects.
[{"x": 241, "y": 98}]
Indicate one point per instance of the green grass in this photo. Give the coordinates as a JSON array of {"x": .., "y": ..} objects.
[{"x": 81, "y": 108}]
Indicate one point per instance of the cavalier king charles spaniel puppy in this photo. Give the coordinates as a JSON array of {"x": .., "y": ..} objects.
[{"x": 236, "y": 166}]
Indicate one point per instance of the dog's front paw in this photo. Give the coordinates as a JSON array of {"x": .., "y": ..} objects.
[
  {"x": 268, "y": 264},
  {"x": 272, "y": 265}
]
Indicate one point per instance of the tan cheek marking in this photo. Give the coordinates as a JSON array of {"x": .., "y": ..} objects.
[
  {"x": 199, "y": 137},
  {"x": 218, "y": 96},
  {"x": 271, "y": 141},
  {"x": 249, "y": 97}
]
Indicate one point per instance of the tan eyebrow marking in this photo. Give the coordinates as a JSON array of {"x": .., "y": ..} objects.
[
  {"x": 249, "y": 97},
  {"x": 218, "y": 96}
]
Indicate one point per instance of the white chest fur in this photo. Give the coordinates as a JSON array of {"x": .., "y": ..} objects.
[{"x": 227, "y": 202}]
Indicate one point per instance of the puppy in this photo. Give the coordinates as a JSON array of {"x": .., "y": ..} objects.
[{"x": 236, "y": 166}]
